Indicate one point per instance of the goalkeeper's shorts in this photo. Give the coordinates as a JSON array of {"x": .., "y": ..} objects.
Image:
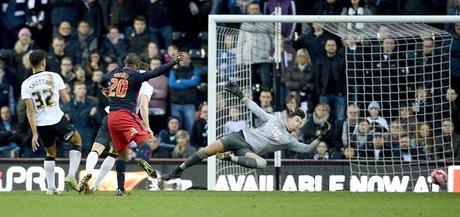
[{"x": 236, "y": 143}]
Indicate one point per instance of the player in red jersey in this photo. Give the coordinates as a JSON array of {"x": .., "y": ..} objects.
[{"x": 122, "y": 119}]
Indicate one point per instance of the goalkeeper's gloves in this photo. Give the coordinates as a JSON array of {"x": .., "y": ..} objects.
[
  {"x": 234, "y": 89},
  {"x": 324, "y": 130}
]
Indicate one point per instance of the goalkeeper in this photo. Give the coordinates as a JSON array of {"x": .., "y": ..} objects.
[{"x": 249, "y": 144}]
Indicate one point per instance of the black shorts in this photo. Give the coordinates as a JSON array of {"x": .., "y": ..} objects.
[
  {"x": 236, "y": 143},
  {"x": 103, "y": 135},
  {"x": 62, "y": 130}
]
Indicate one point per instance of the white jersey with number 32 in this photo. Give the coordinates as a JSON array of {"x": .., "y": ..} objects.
[{"x": 43, "y": 89}]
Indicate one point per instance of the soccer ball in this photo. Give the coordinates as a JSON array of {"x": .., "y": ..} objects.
[{"x": 439, "y": 177}]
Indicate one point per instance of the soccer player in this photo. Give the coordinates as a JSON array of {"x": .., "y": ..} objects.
[
  {"x": 41, "y": 93},
  {"x": 103, "y": 141},
  {"x": 248, "y": 144},
  {"x": 122, "y": 119}
]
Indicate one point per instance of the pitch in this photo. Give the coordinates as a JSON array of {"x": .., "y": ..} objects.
[{"x": 232, "y": 204}]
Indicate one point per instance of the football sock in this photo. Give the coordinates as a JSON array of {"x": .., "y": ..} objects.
[
  {"x": 145, "y": 151},
  {"x": 192, "y": 160},
  {"x": 49, "y": 165},
  {"x": 91, "y": 162},
  {"x": 121, "y": 169},
  {"x": 106, "y": 166},
  {"x": 74, "y": 162},
  {"x": 248, "y": 162}
]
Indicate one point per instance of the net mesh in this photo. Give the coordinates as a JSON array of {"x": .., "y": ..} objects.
[{"x": 397, "y": 78}]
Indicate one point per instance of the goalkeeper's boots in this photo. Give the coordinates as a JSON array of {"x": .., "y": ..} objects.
[
  {"x": 83, "y": 183},
  {"x": 176, "y": 173},
  {"x": 70, "y": 181},
  {"x": 147, "y": 168},
  {"x": 224, "y": 156}
]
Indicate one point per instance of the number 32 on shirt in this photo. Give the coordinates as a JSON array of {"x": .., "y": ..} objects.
[{"x": 118, "y": 87}]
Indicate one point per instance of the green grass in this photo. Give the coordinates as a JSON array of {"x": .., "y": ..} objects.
[{"x": 234, "y": 204}]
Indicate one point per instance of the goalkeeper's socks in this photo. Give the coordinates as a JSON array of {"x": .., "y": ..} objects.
[
  {"x": 192, "y": 160},
  {"x": 249, "y": 162},
  {"x": 121, "y": 169}
]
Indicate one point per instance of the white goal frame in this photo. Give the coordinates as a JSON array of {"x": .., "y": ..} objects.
[{"x": 212, "y": 53}]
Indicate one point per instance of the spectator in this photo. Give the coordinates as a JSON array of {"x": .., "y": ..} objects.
[
  {"x": 23, "y": 71},
  {"x": 256, "y": 36},
  {"x": 319, "y": 125},
  {"x": 9, "y": 137},
  {"x": 140, "y": 37},
  {"x": 265, "y": 99},
  {"x": 7, "y": 97},
  {"x": 425, "y": 148},
  {"x": 226, "y": 60},
  {"x": 355, "y": 8},
  {"x": 454, "y": 107},
  {"x": 455, "y": 57},
  {"x": 377, "y": 122},
  {"x": 183, "y": 148},
  {"x": 290, "y": 104},
  {"x": 92, "y": 13},
  {"x": 422, "y": 105},
  {"x": 150, "y": 52},
  {"x": 159, "y": 19},
  {"x": 321, "y": 152},
  {"x": 82, "y": 113},
  {"x": 82, "y": 77},
  {"x": 56, "y": 54},
  {"x": 168, "y": 136},
  {"x": 379, "y": 150},
  {"x": 395, "y": 132},
  {"x": 234, "y": 6},
  {"x": 315, "y": 41},
  {"x": 172, "y": 51},
  {"x": 288, "y": 7},
  {"x": 86, "y": 38},
  {"x": 361, "y": 137},
  {"x": 183, "y": 83},
  {"x": 121, "y": 13},
  {"x": 199, "y": 136},
  {"x": 349, "y": 153},
  {"x": 13, "y": 18},
  {"x": 355, "y": 67},
  {"x": 158, "y": 102},
  {"x": 236, "y": 123},
  {"x": 349, "y": 125},
  {"x": 327, "y": 7},
  {"x": 407, "y": 120},
  {"x": 23, "y": 45},
  {"x": 95, "y": 90},
  {"x": 157, "y": 150},
  {"x": 300, "y": 79},
  {"x": 72, "y": 46},
  {"x": 448, "y": 145},
  {"x": 65, "y": 11},
  {"x": 114, "y": 46},
  {"x": 95, "y": 62},
  {"x": 330, "y": 80},
  {"x": 67, "y": 70},
  {"x": 406, "y": 151},
  {"x": 385, "y": 7}
]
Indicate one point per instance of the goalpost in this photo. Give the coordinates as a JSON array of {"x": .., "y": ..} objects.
[{"x": 373, "y": 75}]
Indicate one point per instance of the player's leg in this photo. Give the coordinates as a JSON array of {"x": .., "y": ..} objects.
[
  {"x": 121, "y": 170},
  {"x": 49, "y": 164},
  {"x": 245, "y": 158},
  {"x": 106, "y": 166},
  {"x": 210, "y": 150},
  {"x": 74, "y": 138}
]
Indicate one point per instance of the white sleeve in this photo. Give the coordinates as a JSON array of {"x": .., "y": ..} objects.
[
  {"x": 146, "y": 89},
  {"x": 25, "y": 94},
  {"x": 59, "y": 82}
]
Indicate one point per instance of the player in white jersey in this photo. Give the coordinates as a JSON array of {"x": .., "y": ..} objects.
[
  {"x": 41, "y": 93},
  {"x": 248, "y": 145},
  {"x": 103, "y": 141}
]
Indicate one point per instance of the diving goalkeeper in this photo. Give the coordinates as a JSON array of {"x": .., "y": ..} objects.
[{"x": 249, "y": 144}]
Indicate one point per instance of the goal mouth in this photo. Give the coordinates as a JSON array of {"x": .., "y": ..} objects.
[{"x": 397, "y": 77}]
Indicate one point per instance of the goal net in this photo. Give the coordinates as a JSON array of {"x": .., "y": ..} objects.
[{"x": 397, "y": 76}]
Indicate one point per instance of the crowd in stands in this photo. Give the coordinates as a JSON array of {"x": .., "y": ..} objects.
[{"x": 87, "y": 38}]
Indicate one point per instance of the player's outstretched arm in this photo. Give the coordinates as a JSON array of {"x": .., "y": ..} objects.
[
  {"x": 163, "y": 69},
  {"x": 302, "y": 147},
  {"x": 234, "y": 89}
]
